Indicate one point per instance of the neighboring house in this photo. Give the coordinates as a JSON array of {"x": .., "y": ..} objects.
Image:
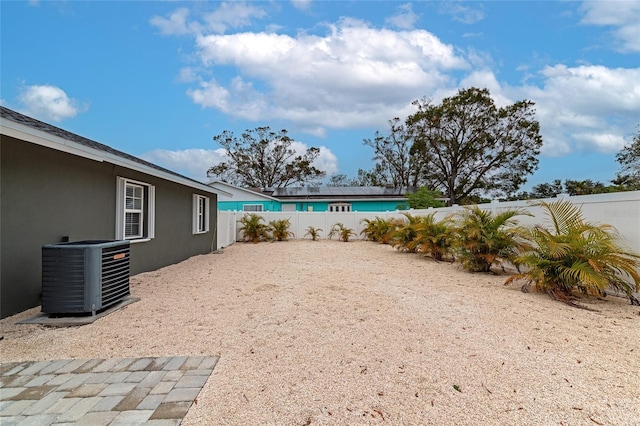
[
  {"x": 56, "y": 186},
  {"x": 240, "y": 199},
  {"x": 313, "y": 198},
  {"x": 341, "y": 198}
]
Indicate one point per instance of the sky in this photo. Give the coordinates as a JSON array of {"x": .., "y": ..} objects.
[{"x": 159, "y": 79}]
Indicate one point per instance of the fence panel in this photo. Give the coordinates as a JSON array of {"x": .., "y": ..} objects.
[
  {"x": 226, "y": 229},
  {"x": 620, "y": 209}
]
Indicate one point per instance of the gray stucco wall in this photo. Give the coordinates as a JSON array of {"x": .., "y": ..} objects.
[{"x": 47, "y": 195}]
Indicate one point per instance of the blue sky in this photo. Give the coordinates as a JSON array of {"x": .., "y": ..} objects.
[{"x": 159, "y": 79}]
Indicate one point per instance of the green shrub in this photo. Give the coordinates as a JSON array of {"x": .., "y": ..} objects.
[
  {"x": 577, "y": 255},
  {"x": 484, "y": 239},
  {"x": 314, "y": 233},
  {"x": 343, "y": 232},
  {"x": 280, "y": 229},
  {"x": 252, "y": 228},
  {"x": 424, "y": 198},
  {"x": 434, "y": 238},
  {"x": 379, "y": 230},
  {"x": 405, "y": 234}
]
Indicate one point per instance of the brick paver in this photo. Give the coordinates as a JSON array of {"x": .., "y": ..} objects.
[{"x": 109, "y": 392}]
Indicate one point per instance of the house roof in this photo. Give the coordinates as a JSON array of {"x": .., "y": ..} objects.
[
  {"x": 233, "y": 188},
  {"x": 340, "y": 192},
  {"x": 29, "y": 129}
]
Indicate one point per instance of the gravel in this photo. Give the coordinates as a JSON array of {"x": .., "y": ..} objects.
[{"x": 326, "y": 332}]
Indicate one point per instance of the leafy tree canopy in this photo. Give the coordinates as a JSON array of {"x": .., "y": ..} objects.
[
  {"x": 570, "y": 187},
  {"x": 262, "y": 158},
  {"x": 466, "y": 146},
  {"x": 423, "y": 198}
]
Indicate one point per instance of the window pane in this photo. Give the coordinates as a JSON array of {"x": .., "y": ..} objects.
[
  {"x": 132, "y": 222},
  {"x": 133, "y": 197},
  {"x": 201, "y": 214}
]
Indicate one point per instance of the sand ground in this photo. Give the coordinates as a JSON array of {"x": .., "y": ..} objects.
[{"x": 358, "y": 333}]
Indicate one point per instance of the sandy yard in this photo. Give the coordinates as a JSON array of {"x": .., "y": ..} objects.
[{"x": 358, "y": 333}]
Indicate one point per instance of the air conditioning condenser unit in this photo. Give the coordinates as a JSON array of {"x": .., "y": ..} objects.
[{"x": 84, "y": 276}]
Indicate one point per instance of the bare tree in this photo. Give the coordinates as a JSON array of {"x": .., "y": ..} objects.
[{"x": 261, "y": 158}]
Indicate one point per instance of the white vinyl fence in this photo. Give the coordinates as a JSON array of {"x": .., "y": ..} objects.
[{"x": 620, "y": 209}]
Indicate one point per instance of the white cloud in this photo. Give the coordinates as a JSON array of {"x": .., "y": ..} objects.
[
  {"x": 228, "y": 15},
  {"x": 47, "y": 103},
  {"x": 463, "y": 13},
  {"x": 405, "y": 19},
  {"x": 189, "y": 162},
  {"x": 188, "y": 75},
  {"x": 586, "y": 108},
  {"x": 301, "y": 4},
  {"x": 232, "y": 15},
  {"x": 354, "y": 75},
  {"x": 326, "y": 161},
  {"x": 357, "y": 76},
  {"x": 175, "y": 24},
  {"x": 624, "y": 16}
]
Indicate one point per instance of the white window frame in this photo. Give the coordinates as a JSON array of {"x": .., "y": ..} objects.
[
  {"x": 130, "y": 201},
  {"x": 339, "y": 207},
  {"x": 200, "y": 214},
  {"x": 147, "y": 212},
  {"x": 259, "y": 207}
]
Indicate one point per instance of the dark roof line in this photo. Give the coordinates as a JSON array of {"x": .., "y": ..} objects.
[
  {"x": 64, "y": 134},
  {"x": 341, "y": 191}
]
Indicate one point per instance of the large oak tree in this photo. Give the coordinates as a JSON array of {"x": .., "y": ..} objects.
[
  {"x": 394, "y": 163},
  {"x": 467, "y": 147},
  {"x": 262, "y": 158}
]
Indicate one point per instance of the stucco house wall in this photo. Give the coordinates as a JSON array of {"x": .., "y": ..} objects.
[{"x": 50, "y": 196}]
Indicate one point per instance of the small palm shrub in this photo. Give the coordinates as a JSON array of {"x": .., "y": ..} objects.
[
  {"x": 434, "y": 238},
  {"x": 379, "y": 230},
  {"x": 404, "y": 235},
  {"x": 577, "y": 255},
  {"x": 343, "y": 232},
  {"x": 280, "y": 229},
  {"x": 484, "y": 239},
  {"x": 253, "y": 229},
  {"x": 314, "y": 233}
]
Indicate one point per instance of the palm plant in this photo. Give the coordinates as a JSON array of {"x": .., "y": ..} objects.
[
  {"x": 575, "y": 254},
  {"x": 314, "y": 233},
  {"x": 252, "y": 228},
  {"x": 378, "y": 229},
  {"x": 433, "y": 237},
  {"x": 280, "y": 229},
  {"x": 484, "y": 239},
  {"x": 404, "y": 235},
  {"x": 343, "y": 232}
]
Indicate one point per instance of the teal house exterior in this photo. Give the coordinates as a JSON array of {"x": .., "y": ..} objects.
[
  {"x": 312, "y": 198},
  {"x": 341, "y": 198},
  {"x": 236, "y": 198}
]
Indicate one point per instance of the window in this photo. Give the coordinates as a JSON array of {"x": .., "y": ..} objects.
[
  {"x": 252, "y": 208},
  {"x": 135, "y": 207},
  {"x": 133, "y": 210},
  {"x": 200, "y": 214},
  {"x": 340, "y": 207}
]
